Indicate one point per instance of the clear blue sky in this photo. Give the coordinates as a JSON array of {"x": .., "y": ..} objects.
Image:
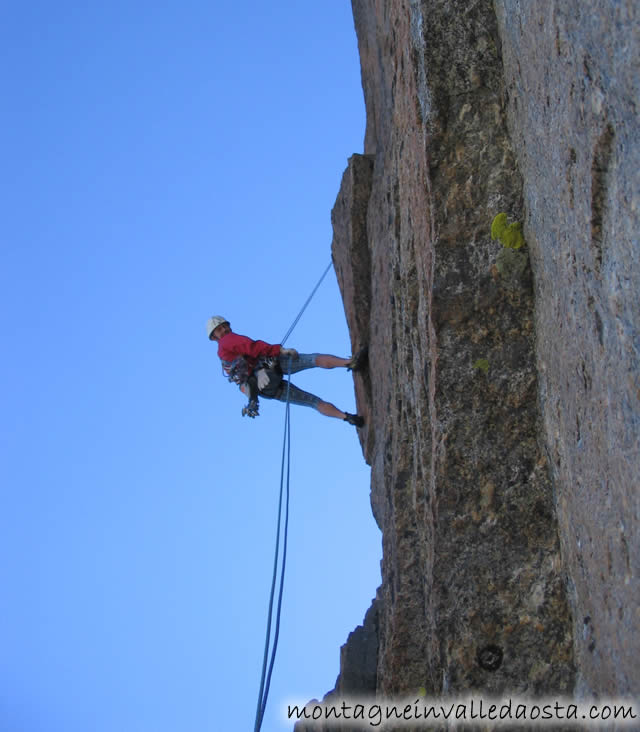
[{"x": 163, "y": 163}]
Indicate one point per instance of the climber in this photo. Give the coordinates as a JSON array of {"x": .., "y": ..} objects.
[{"x": 258, "y": 368}]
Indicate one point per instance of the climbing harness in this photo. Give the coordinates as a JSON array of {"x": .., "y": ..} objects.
[
  {"x": 266, "y": 380},
  {"x": 269, "y": 376},
  {"x": 265, "y": 680},
  {"x": 238, "y": 371}
]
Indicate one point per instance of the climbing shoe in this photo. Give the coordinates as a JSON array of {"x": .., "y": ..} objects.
[
  {"x": 359, "y": 361},
  {"x": 355, "y": 419}
]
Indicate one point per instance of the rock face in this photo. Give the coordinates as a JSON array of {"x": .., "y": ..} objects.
[
  {"x": 503, "y": 395},
  {"x": 572, "y": 75}
]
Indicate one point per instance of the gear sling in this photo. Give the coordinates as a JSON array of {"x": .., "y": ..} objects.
[{"x": 267, "y": 372}]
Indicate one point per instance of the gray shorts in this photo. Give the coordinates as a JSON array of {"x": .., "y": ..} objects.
[{"x": 296, "y": 395}]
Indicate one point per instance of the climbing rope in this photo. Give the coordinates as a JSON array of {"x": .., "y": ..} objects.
[
  {"x": 304, "y": 307},
  {"x": 265, "y": 680}
]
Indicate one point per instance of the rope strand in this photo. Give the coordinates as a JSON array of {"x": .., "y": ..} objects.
[
  {"x": 304, "y": 307},
  {"x": 284, "y": 562},
  {"x": 265, "y": 679}
]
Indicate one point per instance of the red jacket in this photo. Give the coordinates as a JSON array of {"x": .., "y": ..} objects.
[{"x": 233, "y": 345}]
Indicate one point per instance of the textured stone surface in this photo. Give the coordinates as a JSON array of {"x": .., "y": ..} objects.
[
  {"x": 358, "y": 668},
  {"x": 359, "y": 658},
  {"x": 502, "y": 397},
  {"x": 460, "y": 486},
  {"x": 572, "y": 74}
]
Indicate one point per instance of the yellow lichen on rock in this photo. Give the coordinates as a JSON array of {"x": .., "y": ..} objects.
[{"x": 510, "y": 235}]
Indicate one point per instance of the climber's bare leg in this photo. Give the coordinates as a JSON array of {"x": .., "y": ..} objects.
[
  {"x": 326, "y": 361},
  {"x": 329, "y": 410}
]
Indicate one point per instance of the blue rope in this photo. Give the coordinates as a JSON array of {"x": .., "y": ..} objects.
[
  {"x": 265, "y": 684},
  {"x": 265, "y": 679},
  {"x": 304, "y": 307}
]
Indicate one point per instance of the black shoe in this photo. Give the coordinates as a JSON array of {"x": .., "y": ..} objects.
[
  {"x": 360, "y": 360},
  {"x": 355, "y": 419}
]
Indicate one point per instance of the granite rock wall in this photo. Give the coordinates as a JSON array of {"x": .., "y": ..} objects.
[
  {"x": 502, "y": 393},
  {"x": 572, "y": 77}
]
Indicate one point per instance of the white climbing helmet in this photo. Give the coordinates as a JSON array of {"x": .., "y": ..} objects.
[{"x": 213, "y": 323}]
